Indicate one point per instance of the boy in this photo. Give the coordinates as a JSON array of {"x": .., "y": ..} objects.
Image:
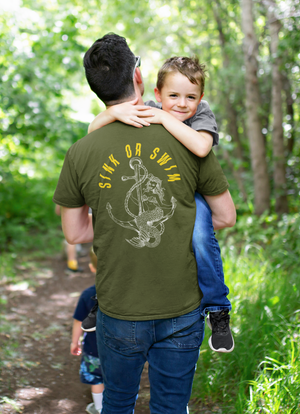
[
  {"x": 179, "y": 90},
  {"x": 90, "y": 369}
]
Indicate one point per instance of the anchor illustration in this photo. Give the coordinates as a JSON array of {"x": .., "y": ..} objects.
[{"x": 148, "y": 195}]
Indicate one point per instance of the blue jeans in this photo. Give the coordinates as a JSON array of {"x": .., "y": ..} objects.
[
  {"x": 209, "y": 263},
  {"x": 171, "y": 347}
]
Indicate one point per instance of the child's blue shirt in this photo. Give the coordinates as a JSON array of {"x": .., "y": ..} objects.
[{"x": 82, "y": 310}]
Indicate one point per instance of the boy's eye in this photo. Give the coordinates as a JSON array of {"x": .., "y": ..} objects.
[
  {"x": 173, "y": 95},
  {"x": 192, "y": 97}
]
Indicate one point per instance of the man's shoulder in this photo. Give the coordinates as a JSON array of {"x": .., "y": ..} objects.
[{"x": 153, "y": 104}]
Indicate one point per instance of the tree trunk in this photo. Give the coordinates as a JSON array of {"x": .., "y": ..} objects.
[
  {"x": 289, "y": 110},
  {"x": 281, "y": 203},
  {"x": 254, "y": 126},
  {"x": 231, "y": 112}
]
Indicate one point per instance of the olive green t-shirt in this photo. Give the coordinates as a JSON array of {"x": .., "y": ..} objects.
[{"x": 140, "y": 185}]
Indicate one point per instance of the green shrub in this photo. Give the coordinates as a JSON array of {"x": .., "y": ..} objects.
[{"x": 260, "y": 260}]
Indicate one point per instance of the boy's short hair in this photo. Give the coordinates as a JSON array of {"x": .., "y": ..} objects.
[
  {"x": 109, "y": 67},
  {"x": 189, "y": 67},
  {"x": 93, "y": 258}
]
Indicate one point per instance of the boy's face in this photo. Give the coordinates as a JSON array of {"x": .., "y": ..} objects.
[{"x": 179, "y": 96}]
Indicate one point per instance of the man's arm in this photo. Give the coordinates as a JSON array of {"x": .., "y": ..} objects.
[
  {"x": 77, "y": 224},
  {"x": 57, "y": 209},
  {"x": 223, "y": 210}
]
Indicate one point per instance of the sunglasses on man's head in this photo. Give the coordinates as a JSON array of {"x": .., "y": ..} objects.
[{"x": 137, "y": 63}]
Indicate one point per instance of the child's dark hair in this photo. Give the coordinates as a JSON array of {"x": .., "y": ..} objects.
[
  {"x": 109, "y": 66},
  {"x": 93, "y": 258},
  {"x": 189, "y": 67}
]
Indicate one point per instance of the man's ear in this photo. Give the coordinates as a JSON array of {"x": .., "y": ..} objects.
[
  {"x": 138, "y": 76},
  {"x": 157, "y": 95}
]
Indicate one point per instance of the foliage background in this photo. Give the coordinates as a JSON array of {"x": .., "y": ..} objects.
[{"x": 45, "y": 106}]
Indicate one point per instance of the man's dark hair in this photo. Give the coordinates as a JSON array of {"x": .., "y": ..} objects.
[{"x": 109, "y": 66}]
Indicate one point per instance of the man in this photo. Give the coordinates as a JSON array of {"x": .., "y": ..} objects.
[{"x": 140, "y": 185}]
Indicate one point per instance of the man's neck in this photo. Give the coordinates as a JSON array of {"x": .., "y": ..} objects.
[{"x": 131, "y": 98}]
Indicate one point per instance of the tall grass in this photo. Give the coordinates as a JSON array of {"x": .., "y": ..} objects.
[{"x": 262, "y": 374}]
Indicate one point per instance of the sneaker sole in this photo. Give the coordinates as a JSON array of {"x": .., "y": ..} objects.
[
  {"x": 91, "y": 410},
  {"x": 208, "y": 323},
  {"x": 89, "y": 330},
  {"x": 222, "y": 350}
]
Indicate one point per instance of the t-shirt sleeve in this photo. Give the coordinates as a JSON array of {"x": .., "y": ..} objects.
[
  {"x": 212, "y": 180},
  {"x": 204, "y": 120},
  {"x": 153, "y": 104},
  {"x": 81, "y": 311},
  {"x": 67, "y": 193}
]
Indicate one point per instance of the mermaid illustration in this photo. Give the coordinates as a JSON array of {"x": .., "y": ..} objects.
[{"x": 146, "y": 196}]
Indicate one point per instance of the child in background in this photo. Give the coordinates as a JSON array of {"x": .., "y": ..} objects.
[
  {"x": 90, "y": 367},
  {"x": 179, "y": 90},
  {"x": 71, "y": 251}
]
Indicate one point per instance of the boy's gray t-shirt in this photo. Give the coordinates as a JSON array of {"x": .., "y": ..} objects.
[{"x": 203, "y": 120}]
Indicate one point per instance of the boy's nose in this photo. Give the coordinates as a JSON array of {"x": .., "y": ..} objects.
[{"x": 182, "y": 102}]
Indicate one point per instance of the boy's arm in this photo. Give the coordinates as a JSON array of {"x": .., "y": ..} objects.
[
  {"x": 127, "y": 112},
  {"x": 198, "y": 142},
  {"x": 223, "y": 210},
  {"x": 76, "y": 334}
]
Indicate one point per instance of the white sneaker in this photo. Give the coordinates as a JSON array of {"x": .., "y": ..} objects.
[{"x": 91, "y": 409}]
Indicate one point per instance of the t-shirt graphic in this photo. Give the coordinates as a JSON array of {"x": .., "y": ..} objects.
[{"x": 144, "y": 202}]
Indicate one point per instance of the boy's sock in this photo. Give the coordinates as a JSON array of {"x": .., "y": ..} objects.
[
  {"x": 221, "y": 339},
  {"x": 89, "y": 323},
  {"x": 97, "y": 398}
]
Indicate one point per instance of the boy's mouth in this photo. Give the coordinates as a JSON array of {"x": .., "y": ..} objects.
[{"x": 180, "y": 112}]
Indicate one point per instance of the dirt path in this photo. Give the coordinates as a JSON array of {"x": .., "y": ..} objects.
[
  {"x": 43, "y": 379},
  {"x": 40, "y": 375}
]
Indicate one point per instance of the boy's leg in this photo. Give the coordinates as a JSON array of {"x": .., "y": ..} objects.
[
  {"x": 209, "y": 263},
  {"x": 91, "y": 373},
  {"x": 172, "y": 362},
  {"x": 89, "y": 323},
  {"x": 211, "y": 279}
]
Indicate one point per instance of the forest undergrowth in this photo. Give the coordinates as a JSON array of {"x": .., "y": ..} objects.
[
  {"x": 262, "y": 374},
  {"x": 260, "y": 258}
]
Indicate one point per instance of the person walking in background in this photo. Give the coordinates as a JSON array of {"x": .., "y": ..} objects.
[
  {"x": 71, "y": 253},
  {"x": 90, "y": 367}
]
